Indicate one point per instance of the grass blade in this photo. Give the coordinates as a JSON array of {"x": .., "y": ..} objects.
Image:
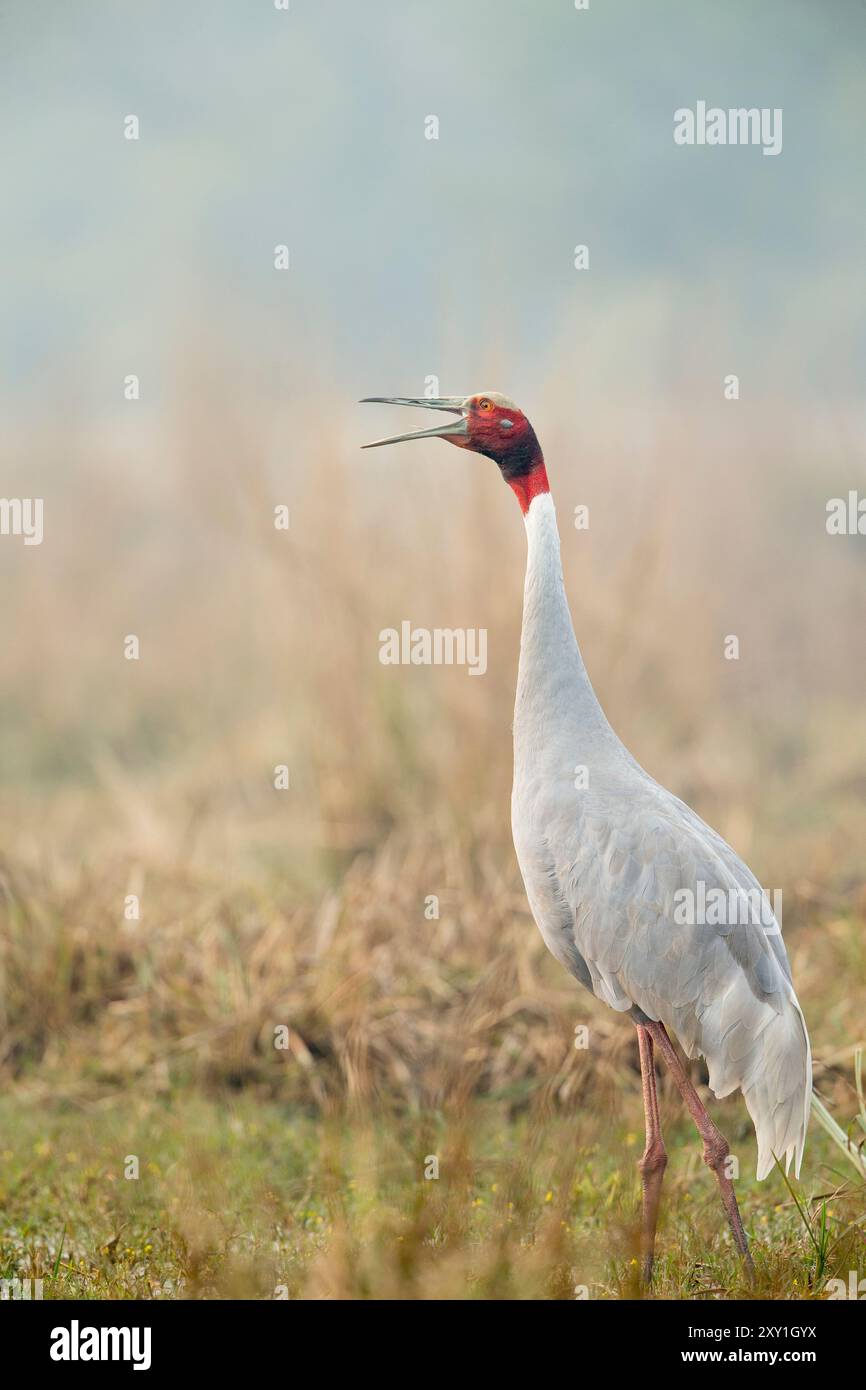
[{"x": 838, "y": 1135}]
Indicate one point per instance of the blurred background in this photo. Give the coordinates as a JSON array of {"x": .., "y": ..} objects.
[{"x": 410, "y": 258}]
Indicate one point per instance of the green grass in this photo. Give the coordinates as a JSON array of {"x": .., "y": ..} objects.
[{"x": 251, "y": 1199}]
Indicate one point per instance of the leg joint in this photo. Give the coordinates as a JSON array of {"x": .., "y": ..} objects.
[
  {"x": 716, "y": 1150},
  {"x": 654, "y": 1159}
]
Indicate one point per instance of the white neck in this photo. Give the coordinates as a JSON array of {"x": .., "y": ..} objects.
[{"x": 554, "y": 696}]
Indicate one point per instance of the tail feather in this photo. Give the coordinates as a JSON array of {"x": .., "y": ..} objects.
[
  {"x": 777, "y": 1088},
  {"x": 764, "y": 1051}
]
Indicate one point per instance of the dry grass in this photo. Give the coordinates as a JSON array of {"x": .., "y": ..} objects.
[{"x": 306, "y": 908}]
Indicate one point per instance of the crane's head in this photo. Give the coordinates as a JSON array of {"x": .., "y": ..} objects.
[{"x": 487, "y": 423}]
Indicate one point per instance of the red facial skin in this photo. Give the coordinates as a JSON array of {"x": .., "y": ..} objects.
[{"x": 516, "y": 449}]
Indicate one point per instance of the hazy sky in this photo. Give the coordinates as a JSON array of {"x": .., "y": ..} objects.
[{"x": 412, "y": 256}]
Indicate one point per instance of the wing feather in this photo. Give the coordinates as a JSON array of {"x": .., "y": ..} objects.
[{"x": 614, "y": 868}]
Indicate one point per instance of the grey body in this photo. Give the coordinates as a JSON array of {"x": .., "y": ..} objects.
[{"x": 603, "y": 864}]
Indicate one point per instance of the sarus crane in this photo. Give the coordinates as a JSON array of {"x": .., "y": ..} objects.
[{"x": 611, "y": 862}]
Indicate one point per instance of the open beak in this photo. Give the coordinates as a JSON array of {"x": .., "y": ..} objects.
[{"x": 455, "y": 404}]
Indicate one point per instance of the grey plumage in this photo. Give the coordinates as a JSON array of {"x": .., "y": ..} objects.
[{"x": 605, "y": 866}]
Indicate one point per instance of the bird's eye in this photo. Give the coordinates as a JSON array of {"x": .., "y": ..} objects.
[{"x": 485, "y": 405}]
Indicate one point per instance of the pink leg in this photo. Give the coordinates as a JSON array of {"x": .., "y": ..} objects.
[
  {"x": 716, "y": 1148},
  {"x": 652, "y": 1164}
]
